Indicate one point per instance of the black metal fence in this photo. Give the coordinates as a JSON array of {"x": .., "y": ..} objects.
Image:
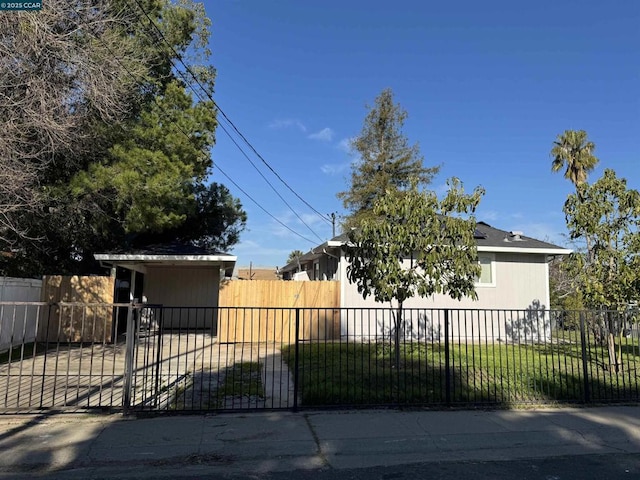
[
  {"x": 471, "y": 357},
  {"x": 173, "y": 359},
  {"x": 62, "y": 355}
]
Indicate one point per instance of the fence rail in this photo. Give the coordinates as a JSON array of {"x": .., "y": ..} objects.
[{"x": 178, "y": 359}]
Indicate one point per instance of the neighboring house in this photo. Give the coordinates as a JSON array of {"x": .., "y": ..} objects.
[
  {"x": 515, "y": 277},
  {"x": 172, "y": 275}
]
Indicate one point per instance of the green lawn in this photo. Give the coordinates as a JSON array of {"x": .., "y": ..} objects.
[
  {"x": 366, "y": 374},
  {"x": 208, "y": 391},
  {"x": 242, "y": 379}
]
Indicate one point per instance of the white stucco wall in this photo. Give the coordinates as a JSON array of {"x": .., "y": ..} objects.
[{"x": 510, "y": 310}]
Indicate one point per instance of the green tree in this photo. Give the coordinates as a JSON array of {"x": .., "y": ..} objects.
[
  {"x": 386, "y": 161},
  {"x": 574, "y": 152},
  {"x": 215, "y": 221},
  {"x": 151, "y": 172},
  {"x": 565, "y": 297},
  {"x": 416, "y": 244},
  {"x": 144, "y": 175},
  {"x": 608, "y": 213}
]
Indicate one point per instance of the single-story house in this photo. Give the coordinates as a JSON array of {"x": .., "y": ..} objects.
[
  {"x": 173, "y": 276},
  {"x": 515, "y": 278}
]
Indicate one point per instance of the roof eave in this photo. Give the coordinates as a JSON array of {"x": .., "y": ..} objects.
[
  {"x": 544, "y": 251},
  {"x": 128, "y": 257}
]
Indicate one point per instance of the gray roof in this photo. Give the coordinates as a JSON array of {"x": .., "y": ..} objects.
[
  {"x": 488, "y": 236},
  {"x": 485, "y": 235},
  {"x": 169, "y": 254}
]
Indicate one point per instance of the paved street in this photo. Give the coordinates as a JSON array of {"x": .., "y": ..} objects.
[{"x": 550, "y": 444}]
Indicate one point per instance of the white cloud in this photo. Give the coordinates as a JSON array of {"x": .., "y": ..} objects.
[
  {"x": 324, "y": 135},
  {"x": 283, "y": 123},
  {"x": 334, "y": 168},
  {"x": 441, "y": 189},
  {"x": 345, "y": 145},
  {"x": 311, "y": 221},
  {"x": 539, "y": 231},
  {"x": 295, "y": 222},
  {"x": 488, "y": 216},
  {"x": 251, "y": 252}
]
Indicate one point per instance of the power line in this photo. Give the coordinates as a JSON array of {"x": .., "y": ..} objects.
[
  {"x": 195, "y": 78},
  {"x": 274, "y": 189},
  {"x": 177, "y": 125},
  {"x": 253, "y": 164},
  {"x": 262, "y": 208}
]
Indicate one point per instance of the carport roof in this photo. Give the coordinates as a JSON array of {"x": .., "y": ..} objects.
[{"x": 172, "y": 254}]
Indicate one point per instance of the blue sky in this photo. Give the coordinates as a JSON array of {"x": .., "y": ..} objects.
[{"x": 487, "y": 85}]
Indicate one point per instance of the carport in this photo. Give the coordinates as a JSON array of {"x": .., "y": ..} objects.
[{"x": 174, "y": 276}]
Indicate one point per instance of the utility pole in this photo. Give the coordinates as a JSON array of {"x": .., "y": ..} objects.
[{"x": 333, "y": 224}]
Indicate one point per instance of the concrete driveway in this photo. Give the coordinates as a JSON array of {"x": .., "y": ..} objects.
[{"x": 167, "y": 366}]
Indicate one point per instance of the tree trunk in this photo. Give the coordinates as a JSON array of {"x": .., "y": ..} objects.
[
  {"x": 398, "y": 326},
  {"x": 614, "y": 361}
]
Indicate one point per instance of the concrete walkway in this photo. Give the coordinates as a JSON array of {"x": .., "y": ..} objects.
[{"x": 85, "y": 446}]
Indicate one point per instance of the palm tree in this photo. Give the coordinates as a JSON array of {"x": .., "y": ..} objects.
[
  {"x": 576, "y": 152},
  {"x": 294, "y": 255}
]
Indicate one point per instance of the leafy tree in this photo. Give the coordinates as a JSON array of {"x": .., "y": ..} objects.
[
  {"x": 386, "y": 160},
  {"x": 416, "y": 244},
  {"x": 574, "y": 151},
  {"x": 565, "y": 298},
  {"x": 143, "y": 177},
  {"x": 151, "y": 171},
  {"x": 215, "y": 221},
  {"x": 608, "y": 213},
  {"x": 294, "y": 255}
]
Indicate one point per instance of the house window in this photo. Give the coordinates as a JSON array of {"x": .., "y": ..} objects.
[
  {"x": 488, "y": 270},
  {"x": 316, "y": 271}
]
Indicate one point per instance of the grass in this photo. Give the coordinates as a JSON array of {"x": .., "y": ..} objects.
[
  {"x": 366, "y": 374},
  {"x": 241, "y": 380}
]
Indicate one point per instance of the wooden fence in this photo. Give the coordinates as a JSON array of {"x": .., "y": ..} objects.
[
  {"x": 90, "y": 322},
  {"x": 264, "y": 311}
]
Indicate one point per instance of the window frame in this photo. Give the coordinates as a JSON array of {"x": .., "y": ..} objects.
[{"x": 492, "y": 262}]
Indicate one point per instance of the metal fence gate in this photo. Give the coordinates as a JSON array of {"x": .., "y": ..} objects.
[
  {"x": 182, "y": 359},
  {"x": 63, "y": 355}
]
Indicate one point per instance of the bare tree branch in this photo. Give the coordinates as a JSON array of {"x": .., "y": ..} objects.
[{"x": 61, "y": 69}]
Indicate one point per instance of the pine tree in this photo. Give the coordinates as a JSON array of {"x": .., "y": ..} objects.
[{"x": 386, "y": 160}]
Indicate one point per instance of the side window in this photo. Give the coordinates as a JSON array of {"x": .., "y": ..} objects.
[{"x": 487, "y": 274}]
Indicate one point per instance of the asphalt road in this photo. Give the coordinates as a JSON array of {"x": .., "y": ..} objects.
[{"x": 593, "y": 467}]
